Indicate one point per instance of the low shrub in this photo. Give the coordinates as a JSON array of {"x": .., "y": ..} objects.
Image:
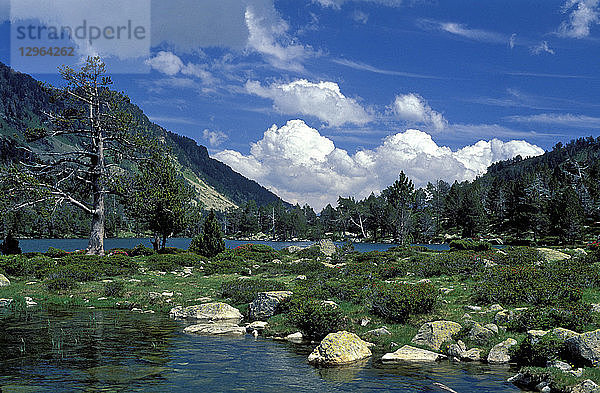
[
  {"x": 114, "y": 289},
  {"x": 56, "y": 252},
  {"x": 518, "y": 256},
  {"x": 396, "y": 302},
  {"x": 170, "y": 262},
  {"x": 62, "y": 283},
  {"x": 470, "y": 245},
  {"x": 546, "y": 348},
  {"x": 312, "y": 252},
  {"x": 575, "y": 316},
  {"x": 245, "y": 290},
  {"x": 229, "y": 265},
  {"x": 170, "y": 251},
  {"x": 21, "y": 266},
  {"x": 313, "y": 318},
  {"x": 141, "y": 251}
]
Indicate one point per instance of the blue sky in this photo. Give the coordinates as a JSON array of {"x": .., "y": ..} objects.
[{"x": 313, "y": 99}]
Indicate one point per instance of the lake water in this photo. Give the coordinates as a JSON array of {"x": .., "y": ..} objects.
[
  {"x": 116, "y": 350},
  {"x": 41, "y": 245}
]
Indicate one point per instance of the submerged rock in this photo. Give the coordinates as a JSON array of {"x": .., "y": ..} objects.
[
  {"x": 265, "y": 304},
  {"x": 208, "y": 311},
  {"x": 433, "y": 334},
  {"x": 340, "y": 348},
  {"x": 412, "y": 354},
  {"x": 216, "y": 329}
]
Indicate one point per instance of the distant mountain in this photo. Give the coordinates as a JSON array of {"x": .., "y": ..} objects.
[{"x": 23, "y": 104}]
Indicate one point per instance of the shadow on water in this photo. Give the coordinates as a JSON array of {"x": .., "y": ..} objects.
[{"x": 115, "y": 350}]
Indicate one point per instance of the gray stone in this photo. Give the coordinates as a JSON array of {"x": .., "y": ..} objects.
[
  {"x": 266, "y": 303},
  {"x": 586, "y": 346},
  {"x": 457, "y": 349},
  {"x": 587, "y": 386},
  {"x": 257, "y": 325},
  {"x": 559, "y": 365},
  {"x": 504, "y": 316},
  {"x": 491, "y": 326},
  {"x": 473, "y": 308},
  {"x": 433, "y": 334},
  {"x": 329, "y": 303},
  {"x": 412, "y": 354},
  {"x": 382, "y": 331},
  {"x": 472, "y": 355},
  {"x": 294, "y": 337},
  {"x": 564, "y": 334},
  {"x": 495, "y": 307},
  {"x": 499, "y": 354},
  {"x": 535, "y": 335},
  {"x": 216, "y": 329},
  {"x": 208, "y": 311},
  {"x": 4, "y": 282},
  {"x": 480, "y": 334}
]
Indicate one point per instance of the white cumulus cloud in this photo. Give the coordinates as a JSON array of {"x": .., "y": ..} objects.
[
  {"x": 323, "y": 100},
  {"x": 303, "y": 166},
  {"x": 170, "y": 64},
  {"x": 413, "y": 108},
  {"x": 583, "y": 14},
  {"x": 214, "y": 138}
]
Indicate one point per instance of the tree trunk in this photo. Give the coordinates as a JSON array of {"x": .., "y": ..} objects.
[{"x": 96, "y": 243}]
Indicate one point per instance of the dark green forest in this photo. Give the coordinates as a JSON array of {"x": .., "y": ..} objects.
[{"x": 550, "y": 199}]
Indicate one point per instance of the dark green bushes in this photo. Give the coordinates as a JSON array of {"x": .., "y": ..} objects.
[
  {"x": 114, "y": 289},
  {"x": 210, "y": 242},
  {"x": 245, "y": 290},
  {"x": 396, "y": 302},
  {"x": 313, "y": 318},
  {"x": 544, "y": 349},
  {"x": 170, "y": 262},
  {"x": 574, "y": 316},
  {"x": 518, "y": 256},
  {"x": 141, "y": 251},
  {"x": 470, "y": 245},
  {"x": 21, "y": 266},
  {"x": 56, "y": 253}
]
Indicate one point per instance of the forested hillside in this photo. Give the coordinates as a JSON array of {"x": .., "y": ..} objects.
[
  {"x": 24, "y": 103},
  {"x": 549, "y": 199}
]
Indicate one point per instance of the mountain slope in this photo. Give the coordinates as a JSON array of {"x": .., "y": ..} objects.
[{"x": 23, "y": 104}]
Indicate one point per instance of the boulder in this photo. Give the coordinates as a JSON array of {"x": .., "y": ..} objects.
[
  {"x": 495, "y": 308},
  {"x": 208, "y": 311},
  {"x": 412, "y": 354},
  {"x": 473, "y": 308},
  {"x": 535, "y": 335},
  {"x": 564, "y": 334},
  {"x": 216, "y": 329},
  {"x": 499, "y": 354},
  {"x": 382, "y": 331},
  {"x": 553, "y": 255},
  {"x": 265, "y": 304},
  {"x": 457, "y": 349},
  {"x": 257, "y": 325},
  {"x": 587, "y": 386},
  {"x": 472, "y": 355},
  {"x": 586, "y": 347},
  {"x": 294, "y": 337},
  {"x": 433, "y": 334},
  {"x": 339, "y": 348},
  {"x": 481, "y": 334},
  {"x": 327, "y": 247},
  {"x": 4, "y": 282},
  {"x": 559, "y": 365},
  {"x": 504, "y": 316}
]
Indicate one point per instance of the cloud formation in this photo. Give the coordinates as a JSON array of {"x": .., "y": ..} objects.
[
  {"x": 323, "y": 100},
  {"x": 562, "y": 119},
  {"x": 583, "y": 14},
  {"x": 170, "y": 64},
  {"x": 214, "y": 138},
  {"x": 542, "y": 47},
  {"x": 301, "y": 165},
  {"x": 413, "y": 108},
  {"x": 337, "y": 4}
]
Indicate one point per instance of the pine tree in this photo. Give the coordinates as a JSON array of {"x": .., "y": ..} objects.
[{"x": 210, "y": 242}]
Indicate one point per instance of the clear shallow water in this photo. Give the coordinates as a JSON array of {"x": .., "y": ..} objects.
[
  {"x": 41, "y": 245},
  {"x": 112, "y": 350}
]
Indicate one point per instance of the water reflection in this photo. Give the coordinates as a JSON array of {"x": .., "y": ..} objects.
[{"x": 112, "y": 350}]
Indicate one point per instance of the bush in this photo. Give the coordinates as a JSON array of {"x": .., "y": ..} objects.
[
  {"x": 231, "y": 265},
  {"x": 170, "y": 262},
  {"x": 518, "y": 256},
  {"x": 170, "y": 251},
  {"x": 10, "y": 245},
  {"x": 574, "y": 316},
  {"x": 546, "y": 348},
  {"x": 21, "y": 266},
  {"x": 471, "y": 245},
  {"x": 114, "y": 289},
  {"x": 245, "y": 290},
  {"x": 56, "y": 252},
  {"x": 141, "y": 251},
  {"x": 211, "y": 242},
  {"x": 312, "y": 252},
  {"x": 60, "y": 283},
  {"x": 396, "y": 302},
  {"x": 314, "y": 319}
]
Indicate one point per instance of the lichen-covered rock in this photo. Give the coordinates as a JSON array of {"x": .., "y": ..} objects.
[
  {"x": 457, "y": 349},
  {"x": 295, "y": 337},
  {"x": 472, "y": 355},
  {"x": 499, "y": 354},
  {"x": 340, "y": 348},
  {"x": 553, "y": 255},
  {"x": 504, "y": 316},
  {"x": 433, "y": 334},
  {"x": 208, "y": 311},
  {"x": 535, "y": 335},
  {"x": 586, "y": 346},
  {"x": 327, "y": 247},
  {"x": 587, "y": 386},
  {"x": 480, "y": 334},
  {"x": 564, "y": 334},
  {"x": 216, "y": 329},
  {"x": 412, "y": 354},
  {"x": 257, "y": 325},
  {"x": 4, "y": 282},
  {"x": 382, "y": 331},
  {"x": 265, "y": 304}
]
